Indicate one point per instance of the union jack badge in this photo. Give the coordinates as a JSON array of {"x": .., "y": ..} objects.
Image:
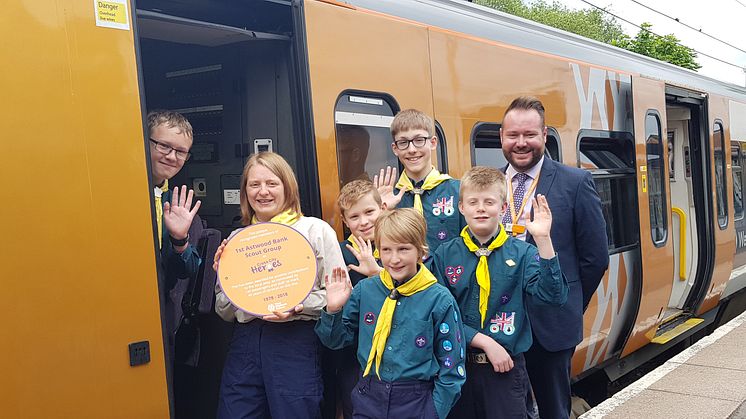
[
  {"x": 504, "y": 321},
  {"x": 443, "y": 206}
]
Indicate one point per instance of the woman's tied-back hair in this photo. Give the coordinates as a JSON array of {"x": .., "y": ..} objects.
[
  {"x": 354, "y": 191},
  {"x": 479, "y": 178},
  {"x": 170, "y": 119},
  {"x": 410, "y": 119},
  {"x": 280, "y": 168},
  {"x": 527, "y": 103},
  {"x": 403, "y": 225}
]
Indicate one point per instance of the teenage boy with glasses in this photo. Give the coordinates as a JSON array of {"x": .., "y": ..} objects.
[
  {"x": 421, "y": 186},
  {"x": 170, "y": 140}
]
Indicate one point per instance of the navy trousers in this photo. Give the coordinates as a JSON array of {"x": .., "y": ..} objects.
[
  {"x": 549, "y": 373},
  {"x": 376, "y": 399},
  {"x": 272, "y": 371},
  {"x": 490, "y": 394}
]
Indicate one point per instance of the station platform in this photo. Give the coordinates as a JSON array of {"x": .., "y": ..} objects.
[{"x": 707, "y": 380}]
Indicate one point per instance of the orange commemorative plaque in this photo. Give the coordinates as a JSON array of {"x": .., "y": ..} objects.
[{"x": 267, "y": 267}]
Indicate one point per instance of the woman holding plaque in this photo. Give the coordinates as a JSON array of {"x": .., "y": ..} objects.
[{"x": 273, "y": 366}]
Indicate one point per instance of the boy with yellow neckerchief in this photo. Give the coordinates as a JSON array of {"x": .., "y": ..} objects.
[
  {"x": 407, "y": 327},
  {"x": 420, "y": 186},
  {"x": 493, "y": 277},
  {"x": 360, "y": 205}
]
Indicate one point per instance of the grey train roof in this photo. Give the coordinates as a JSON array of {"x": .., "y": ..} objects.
[{"x": 487, "y": 23}]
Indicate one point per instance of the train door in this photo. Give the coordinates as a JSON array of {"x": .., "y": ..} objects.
[
  {"x": 682, "y": 141},
  {"x": 738, "y": 145},
  {"x": 706, "y": 295},
  {"x": 691, "y": 240},
  {"x": 653, "y": 202},
  {"x": 738, "y": 160},
  {"x": 232, "y": 69}
]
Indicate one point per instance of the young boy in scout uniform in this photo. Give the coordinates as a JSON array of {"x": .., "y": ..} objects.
[
  {"x": 407, "y": 327},
  {"x": 360, "y": 205},
  {"x": 493, "y": 276},
  {"x": 421, "y": 186}
]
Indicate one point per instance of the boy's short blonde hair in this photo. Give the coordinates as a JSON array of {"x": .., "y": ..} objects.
[
  {"x": 170, "y": 119},
  {"x": 403, "y": 225},
  {"x": 354, "y": 191},
  {"x": 480, "y": 178},
  {"x": 410, "y": 119}
]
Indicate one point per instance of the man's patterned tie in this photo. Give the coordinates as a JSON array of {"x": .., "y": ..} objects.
[{"x": 518, "y": 193}]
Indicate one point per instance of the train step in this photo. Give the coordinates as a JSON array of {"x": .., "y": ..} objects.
[{"x": 675, "y": 327}]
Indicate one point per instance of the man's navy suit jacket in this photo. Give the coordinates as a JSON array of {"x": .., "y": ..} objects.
[{"x": 579, "y": 238}]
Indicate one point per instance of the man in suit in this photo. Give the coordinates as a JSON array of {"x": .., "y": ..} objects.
[{"x": 579, "y": 237}]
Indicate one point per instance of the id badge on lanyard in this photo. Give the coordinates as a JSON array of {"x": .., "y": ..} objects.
[{"x": 513, "y": 227}]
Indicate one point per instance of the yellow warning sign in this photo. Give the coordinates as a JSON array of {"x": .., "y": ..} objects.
[{"x": 112, "y": 14}]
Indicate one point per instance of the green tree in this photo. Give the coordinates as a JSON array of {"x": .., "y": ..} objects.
[
  {"x": 665, "y": 48},
  {"x": 595, "y": 24},
  {"x": 591, "y": 23}
]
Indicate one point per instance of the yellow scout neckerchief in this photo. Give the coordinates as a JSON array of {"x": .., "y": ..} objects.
[
  {"x": 376, "y": 255},
  {"x": 287, "y": 217},
  {"x": 483, "y": 271},
  {"x": 420, "y": 282},
  {"x": 433, "y": 179},
  {"x": 159, "y": 191}
]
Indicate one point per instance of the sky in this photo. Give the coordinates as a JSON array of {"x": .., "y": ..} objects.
[{"x": 722, "y": 19}]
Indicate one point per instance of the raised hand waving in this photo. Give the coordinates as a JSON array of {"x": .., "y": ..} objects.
[{"x": 178, "y": 214}]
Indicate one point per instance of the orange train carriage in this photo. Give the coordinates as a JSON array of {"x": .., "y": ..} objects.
[{"x": 319, "y": 82}]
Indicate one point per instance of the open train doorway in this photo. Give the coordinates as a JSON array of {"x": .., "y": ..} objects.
[
  {"x": 692, "y": 237},
  {"x": 233, "y": 69}
]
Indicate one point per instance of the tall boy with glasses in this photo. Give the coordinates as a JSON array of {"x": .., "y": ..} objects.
[
  {"x": 421, "y": 186},
  {"x": 170, "y": 141}
]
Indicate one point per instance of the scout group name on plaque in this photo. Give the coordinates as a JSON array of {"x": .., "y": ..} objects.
[{"x": 267, "y": 267}]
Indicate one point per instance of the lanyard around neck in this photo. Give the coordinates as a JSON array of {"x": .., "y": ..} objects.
[{"x": 515, "y": 216}]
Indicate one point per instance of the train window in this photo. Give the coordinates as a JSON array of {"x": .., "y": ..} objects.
[
  {"x": 737, "y": 168},
  {"x": 486, "y": 149},
  {"x": 442, "y": 152},
  {"x": 610, "y": 157},
  {"x": 553, "y": 147},
  {"x": 362, "y": 122},
  {"x": 656, "y": 180},
  {"x": 720, "y": 187}
]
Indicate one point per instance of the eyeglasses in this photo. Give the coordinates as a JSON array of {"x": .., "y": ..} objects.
[
  {"x": 166, "y": 150},
  {"x": 417, "y": 141}
]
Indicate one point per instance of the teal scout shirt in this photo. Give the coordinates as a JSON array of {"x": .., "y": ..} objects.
[
  {"x": 426, "y": 340},
  {"x": 440, "y": 208},
  {"x": 518, "y": 277}
]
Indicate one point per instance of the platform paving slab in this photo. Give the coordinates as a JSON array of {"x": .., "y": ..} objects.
[
  {"x": 707, "y": 380},
  {"x": 730, "y": 352},
  {"x": 649, "y": 404},
  {"x": 695, "y": 380}
]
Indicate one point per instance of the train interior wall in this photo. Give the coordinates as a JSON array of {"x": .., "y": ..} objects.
[
  {"x": 684, "y": 212},
  {"x": 237, "y": 99},
  {"x": 235, "y": 90}
]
